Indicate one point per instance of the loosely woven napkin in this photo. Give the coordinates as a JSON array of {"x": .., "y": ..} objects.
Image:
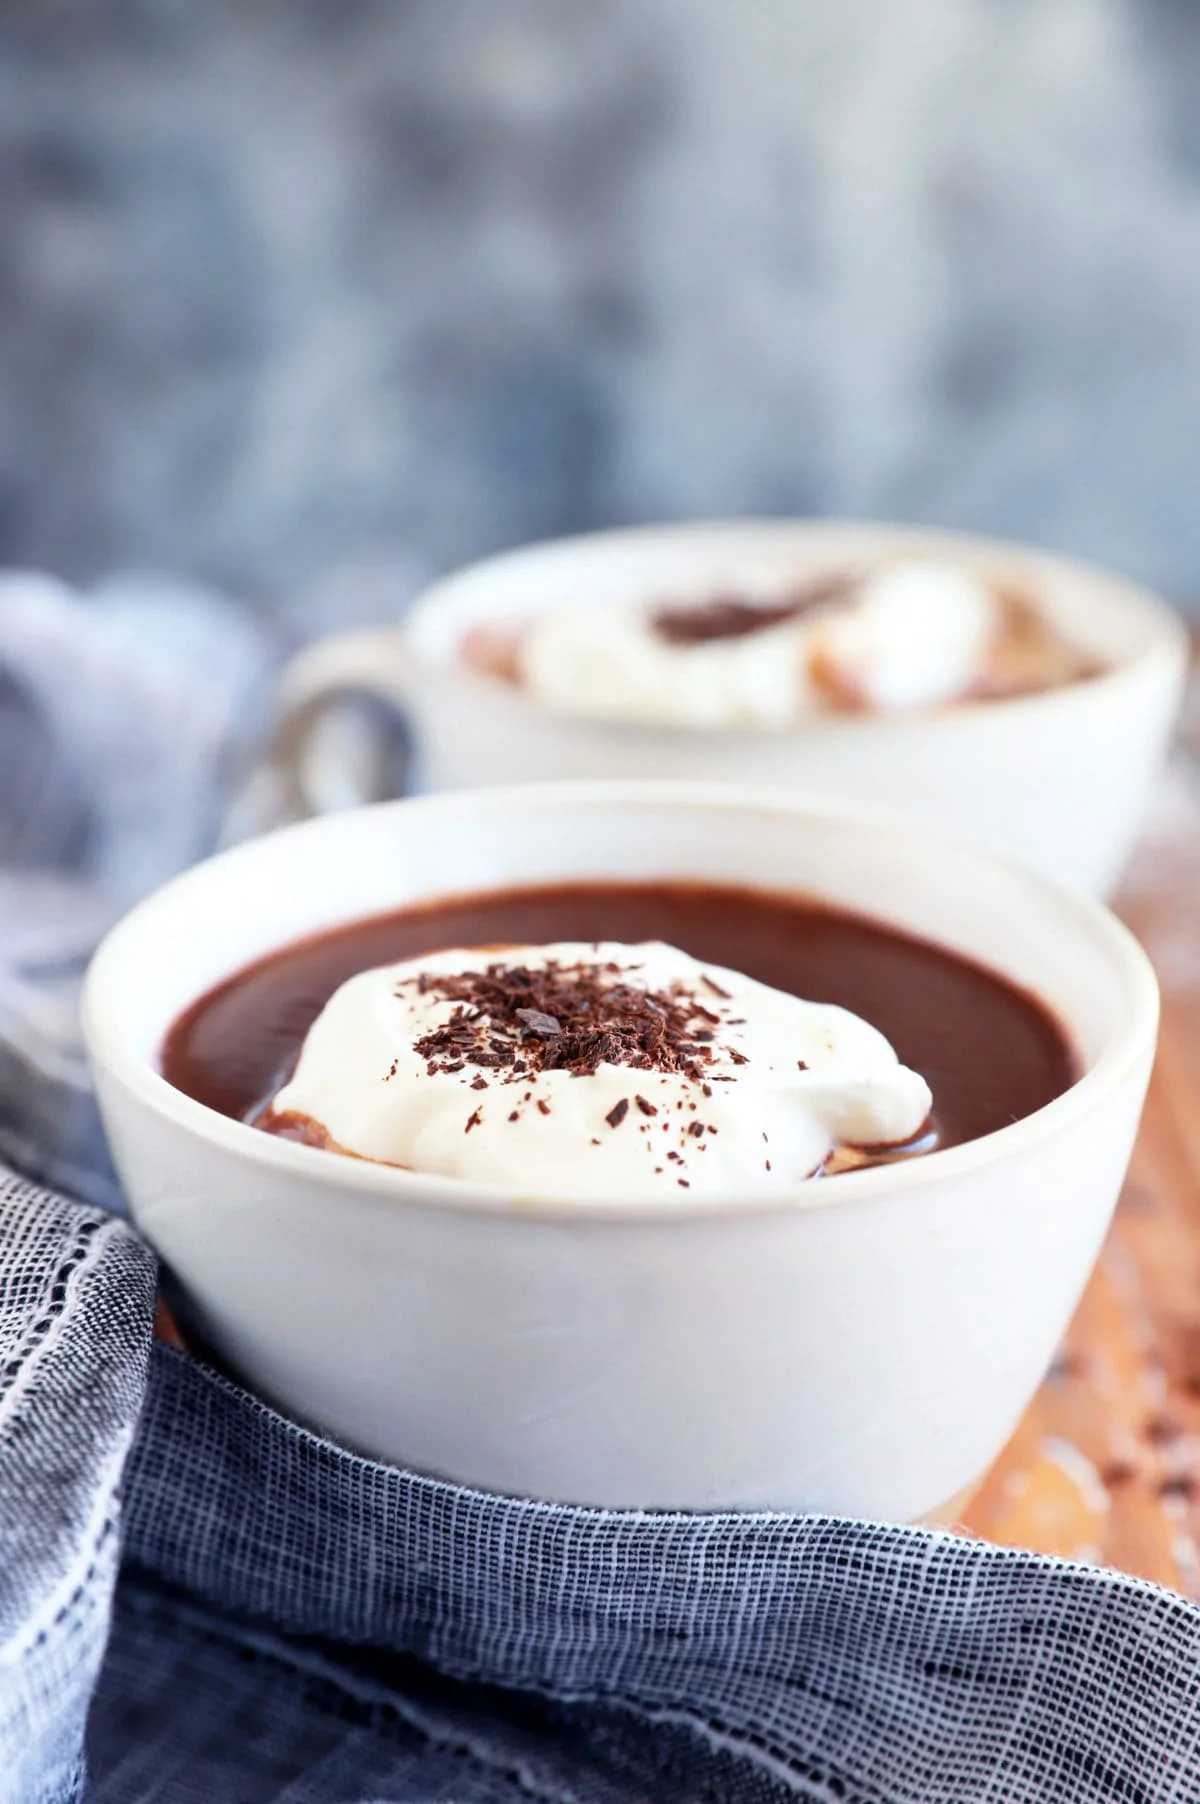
[
  {"x": 131, "y": 727},
  {"x": 201, "y": 1601}
]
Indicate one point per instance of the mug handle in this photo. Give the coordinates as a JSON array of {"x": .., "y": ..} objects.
[{"x": 364, "y": 675}]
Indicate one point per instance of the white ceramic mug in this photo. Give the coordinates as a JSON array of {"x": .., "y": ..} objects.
[
  {"x": 1058, "y": 779},
  {"x": 863, "y": 1346}
]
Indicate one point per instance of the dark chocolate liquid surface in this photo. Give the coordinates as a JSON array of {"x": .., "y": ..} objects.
[{"x": 990, "y": 1053}]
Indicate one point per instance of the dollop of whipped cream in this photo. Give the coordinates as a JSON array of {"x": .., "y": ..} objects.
[
  {"x": 915, "y": 634},
  {"x": 581, "y": 1070},
  {"x": 907, "y": 634}
]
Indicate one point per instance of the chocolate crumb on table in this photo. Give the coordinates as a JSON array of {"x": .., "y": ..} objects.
[{"x": 1119, "y": 1472}]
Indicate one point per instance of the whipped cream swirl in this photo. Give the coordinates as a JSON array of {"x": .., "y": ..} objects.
[{"x": 581, "y": 1070}]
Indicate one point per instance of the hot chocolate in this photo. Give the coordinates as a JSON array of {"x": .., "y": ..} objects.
[{"x": 621, "y": 1039}]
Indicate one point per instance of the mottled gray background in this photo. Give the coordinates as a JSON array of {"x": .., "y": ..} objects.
[{"x": 313, "y": 299}]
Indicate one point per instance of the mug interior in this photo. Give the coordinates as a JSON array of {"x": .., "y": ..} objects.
[{"x": 224, "y": 914}]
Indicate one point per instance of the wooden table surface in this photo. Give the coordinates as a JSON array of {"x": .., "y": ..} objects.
[{"x": 1105, "y": 1465}]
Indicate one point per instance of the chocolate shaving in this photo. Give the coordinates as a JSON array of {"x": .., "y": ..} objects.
[
  {"x": 647, "y": 1108},
  {"x": 617, "y": 1113},
  {"x": 695, "y": 1127},
  {"x": 731, "y": 617},
  {"x": 543, "y": 1105},
  {"x": 537, "y": 1023},
  {"x": 517, "y": 1021},
  {"x": 473, "y": 1121}
]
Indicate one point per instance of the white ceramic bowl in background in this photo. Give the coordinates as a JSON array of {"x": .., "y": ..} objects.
[
  {"x": 1059, "y": 780},
  {"x": 863, "y": 1346}
]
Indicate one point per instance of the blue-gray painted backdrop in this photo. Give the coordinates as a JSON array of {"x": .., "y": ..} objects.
[{"x": 314, "y": 299}]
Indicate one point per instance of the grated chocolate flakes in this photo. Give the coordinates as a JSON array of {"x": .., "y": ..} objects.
[{"x": 515, "y": 1021}]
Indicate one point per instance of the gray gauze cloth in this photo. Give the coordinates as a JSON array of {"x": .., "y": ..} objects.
[{"x": 200, "y": 1600}]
